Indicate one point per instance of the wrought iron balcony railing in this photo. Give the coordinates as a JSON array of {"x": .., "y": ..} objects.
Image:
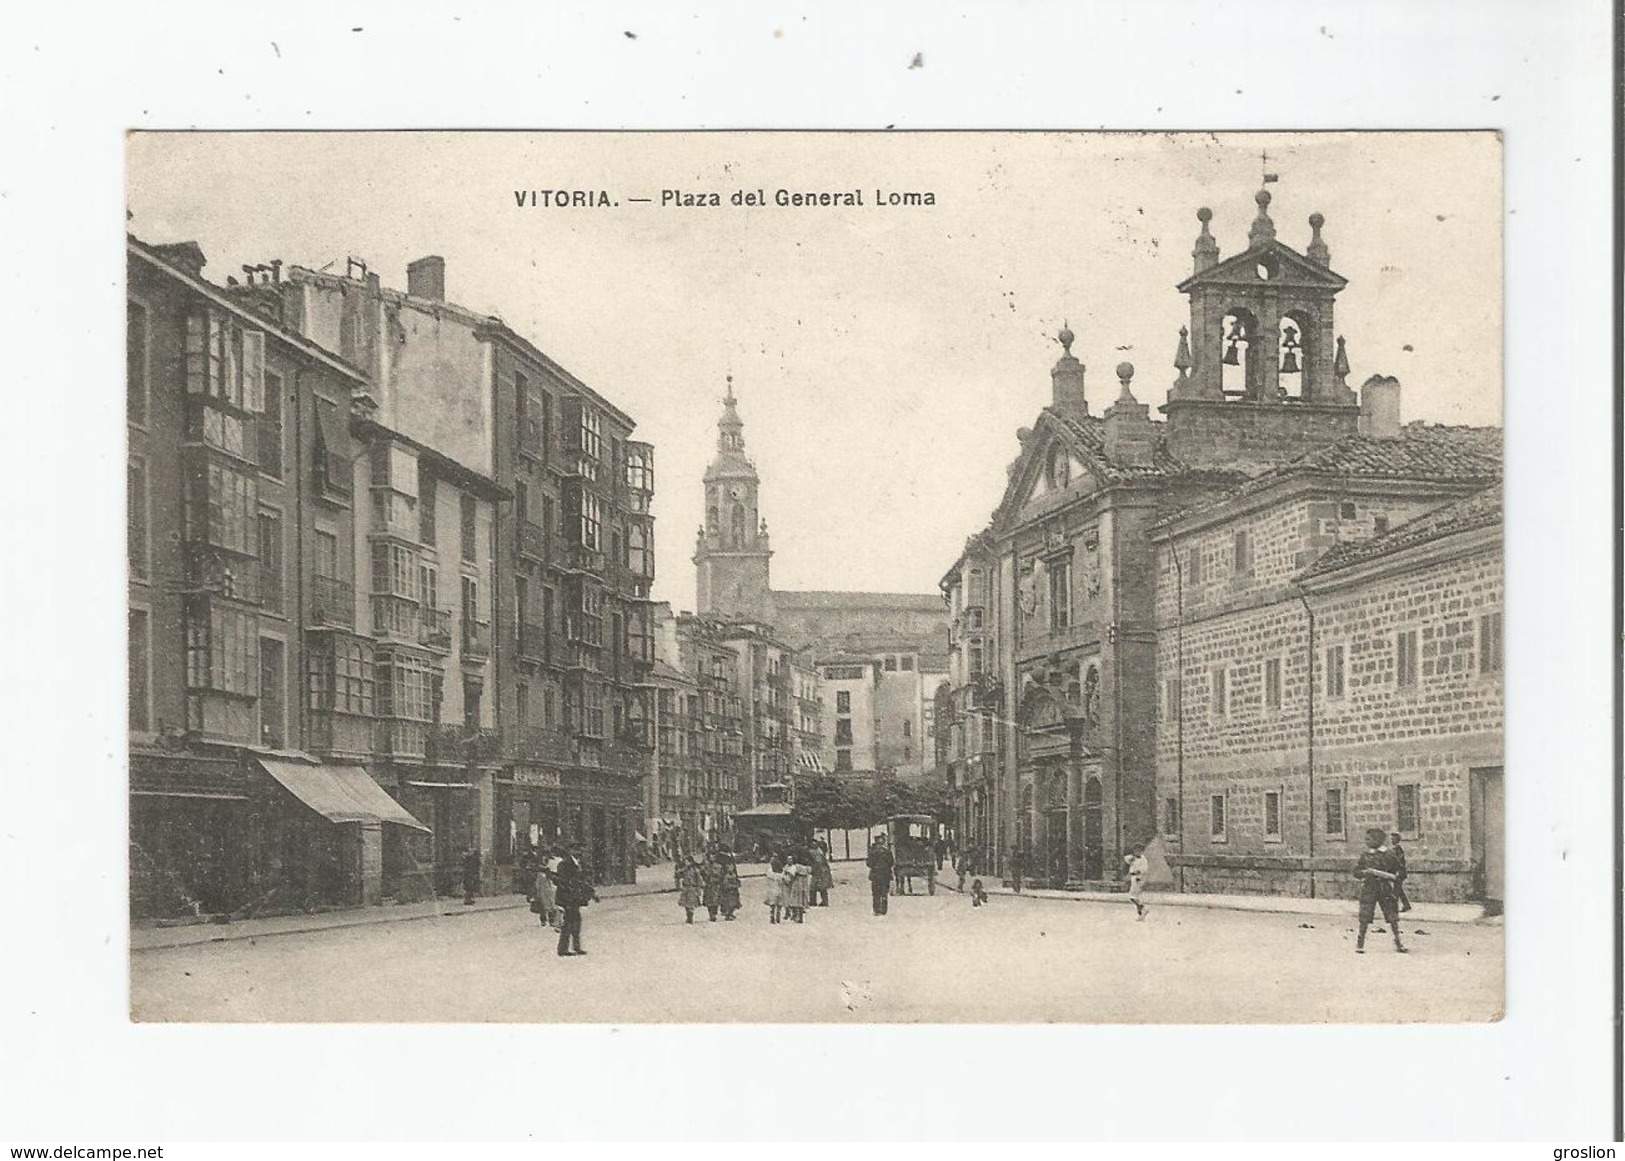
[{"x": 476, "y": 639}]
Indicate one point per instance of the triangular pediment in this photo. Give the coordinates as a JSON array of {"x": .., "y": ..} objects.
[
  {"x": 1286, "y": 268},
  {"x": 1034, "y": 477}
]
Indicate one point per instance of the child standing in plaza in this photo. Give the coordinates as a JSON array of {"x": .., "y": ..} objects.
[
  {"x": 1137, "y": 870},
  {"x": 1378, "y": 872},
  {"x": 774, "y": 888}
]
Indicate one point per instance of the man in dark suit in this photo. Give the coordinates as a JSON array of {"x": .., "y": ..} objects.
[
  {"x": 881, "y": 863},
  {"x": 574, "y": 893}
]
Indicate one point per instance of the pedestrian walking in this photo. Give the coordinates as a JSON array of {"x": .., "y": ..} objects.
[
  {"x": 690, "y": 885},
  {"x": 963, "y": 868},
  {"x": 774, "y": 881},
  {"x": 1018, "y": 863},
  {"x": 798, "y": 877},
  {"x": 543, "y": 894},
  {"x": 728, "y": 889},
  {"x": 1399, "y": 884},
  {"x": 880, "y": 863},
  {"x": 1376, "y": 870},
  {"x": 471, "y": 875},
  {"x": 1138, "y": 868},
  {"x": 822, "y": 877},
  {"x": 711, "y": 884},
  {"x": 942, "y": 851},
  {"x": 574, "y": 892}
]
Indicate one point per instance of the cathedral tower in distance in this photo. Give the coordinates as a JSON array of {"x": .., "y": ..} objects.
[{"x": 731, "y": 554}]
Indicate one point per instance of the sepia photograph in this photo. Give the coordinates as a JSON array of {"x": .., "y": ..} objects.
[{"x": 1049, "y": 577}]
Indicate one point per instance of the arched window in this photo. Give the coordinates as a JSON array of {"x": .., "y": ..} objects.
[
  {"x": 738, "y": 525},
  {"x": 711, "y": 518}
]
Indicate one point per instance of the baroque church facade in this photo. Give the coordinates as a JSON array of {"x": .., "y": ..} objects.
[{"x": 1098, "y": 663}]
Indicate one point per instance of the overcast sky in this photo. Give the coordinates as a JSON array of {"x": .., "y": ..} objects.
[{"x": 883, "y": 358}]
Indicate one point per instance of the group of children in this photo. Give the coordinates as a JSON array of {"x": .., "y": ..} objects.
[{"x": 788, "y": 888}]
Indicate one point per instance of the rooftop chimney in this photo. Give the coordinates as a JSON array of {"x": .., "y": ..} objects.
[
  {"x": 1067, "y": 379},
  {"x": 187, "y": 256},
  {"x": 426, "y": 278},
  {"x": 1379, "y": 407}
]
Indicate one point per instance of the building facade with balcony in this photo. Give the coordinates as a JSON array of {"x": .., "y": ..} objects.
[
  {"x": 718, "y": 764},
  {"x": 248, "y": 656},
  {"x": 571, "y": 549},
  {"x": 578, "y": 539},
  {"x": 425, "y": 560},
  {"x": 971, "y": 705}
]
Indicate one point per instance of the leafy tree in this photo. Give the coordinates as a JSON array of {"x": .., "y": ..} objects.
[{"x": 821, "y": 802}]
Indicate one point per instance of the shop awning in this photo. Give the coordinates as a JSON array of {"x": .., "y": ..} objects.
[{"x": 339, "y": 793}]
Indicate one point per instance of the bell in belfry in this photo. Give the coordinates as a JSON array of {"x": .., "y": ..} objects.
[
  {"x": 1236, "y": 335},
  {"x": 1289, "y": 350}
]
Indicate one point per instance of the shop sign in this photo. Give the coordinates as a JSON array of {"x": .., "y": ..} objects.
[{"x": 535, "y": 776}]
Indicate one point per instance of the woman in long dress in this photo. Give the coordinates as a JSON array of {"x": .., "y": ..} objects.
[
  {"x": 822, "y": 878},
  {"x": 689, "y": 885},
  {"x": 711, "y": 884},
  {"x": 773, "y": 881},
  {"x": 728, "y": 889},
  {"x": 798, "y": 876}
]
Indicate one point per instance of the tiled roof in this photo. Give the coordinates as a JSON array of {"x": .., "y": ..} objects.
[
  {"x": 1437, "y": 453},
  {"x": 1090, "y": 430},
  {"x": 1423, "y": 451},
  {"x": 813, "y": 599},
  {"x": 1480, "y": 510}
]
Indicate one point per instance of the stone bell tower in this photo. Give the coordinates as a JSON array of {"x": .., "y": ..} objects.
[
  {"x": 732, "y": 552},
  {"x": 1262, "y": 373}
]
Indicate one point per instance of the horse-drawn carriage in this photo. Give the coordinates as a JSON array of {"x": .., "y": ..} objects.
[{"x": 913, "y": 839}]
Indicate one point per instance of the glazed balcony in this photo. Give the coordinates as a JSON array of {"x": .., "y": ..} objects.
[
  {"x": 394, "y": 515},
  {"x": 396, "y": 619},
  {"x": 532, "y": 540},
  {"x": 340, "y": 735},
  {"x": 580, "y": 558},
  {"x": 332, "y": 602},
  {"x": 221, "y": 573},
  {"x": 397, "y": 738}
]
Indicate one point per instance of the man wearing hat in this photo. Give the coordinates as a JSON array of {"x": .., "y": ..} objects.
[
  {"x": 1378, "y": 872},
  {"x": 574, "y": 893},
  {"x": 881, "y": 863}
]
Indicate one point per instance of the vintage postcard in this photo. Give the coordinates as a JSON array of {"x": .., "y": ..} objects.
[{"x": 815, "y": 577}]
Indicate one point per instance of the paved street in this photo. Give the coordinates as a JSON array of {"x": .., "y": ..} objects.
[{"x": 933, "y": 959}]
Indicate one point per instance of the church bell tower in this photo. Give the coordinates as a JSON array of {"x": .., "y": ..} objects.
[
  {"x": 1262, "y": 371},
  {"x": 731, "y": 554}
]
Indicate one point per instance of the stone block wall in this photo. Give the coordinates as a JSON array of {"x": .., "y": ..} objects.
[{"x": 1371, "y": 736}]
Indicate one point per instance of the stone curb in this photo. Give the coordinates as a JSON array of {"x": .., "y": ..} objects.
[
  {"x": 1261, "y": 904},
  {"x": 164, "y": 938}
]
